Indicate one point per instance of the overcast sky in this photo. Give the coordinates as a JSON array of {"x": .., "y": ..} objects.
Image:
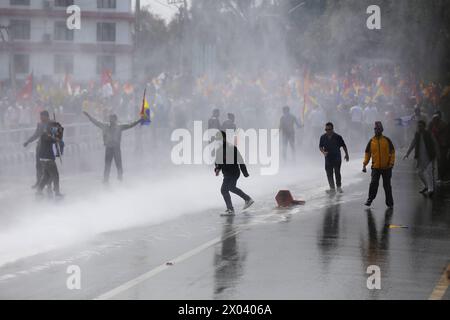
[{"x": 161, "y": 8}]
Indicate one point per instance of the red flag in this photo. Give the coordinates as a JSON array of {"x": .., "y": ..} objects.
[
  {"x": 27, "y": 90},
  {"x": 107, "y": 77}
]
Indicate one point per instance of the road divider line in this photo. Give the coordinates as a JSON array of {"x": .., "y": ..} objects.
[
  {"x": 132, "y": 283},
  {"x": 442, "y": 286}
]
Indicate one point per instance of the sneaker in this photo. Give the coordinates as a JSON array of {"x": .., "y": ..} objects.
[
  {"x": 368, "y": 203},
  {"x": 331, "y": 191},
  {"x": 248, "y": 203},
  {"x": 423, "y": 191},
  {"x": 339, "y": 190},
  {"x": 228, "y": 213},
  {"x": 59, "y": 195}
]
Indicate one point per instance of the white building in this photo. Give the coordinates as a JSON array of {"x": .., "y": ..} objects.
[{"x": 40, "y": 42}]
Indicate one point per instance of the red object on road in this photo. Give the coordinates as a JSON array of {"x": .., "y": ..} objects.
[{"x": 284, "y": 199}]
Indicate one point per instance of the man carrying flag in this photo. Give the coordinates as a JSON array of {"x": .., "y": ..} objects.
[{"x": 112, "y": 138}]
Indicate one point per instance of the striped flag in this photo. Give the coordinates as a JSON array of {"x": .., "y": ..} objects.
[{"x": 145, "y": 111}]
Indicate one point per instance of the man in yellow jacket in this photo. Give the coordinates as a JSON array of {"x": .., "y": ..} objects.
[{"x": 381, "y": 150}]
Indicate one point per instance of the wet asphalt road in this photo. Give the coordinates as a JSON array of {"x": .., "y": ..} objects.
[{"x": 318, "y": 251}]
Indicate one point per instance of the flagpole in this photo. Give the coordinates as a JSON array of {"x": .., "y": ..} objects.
[{"x": 143, "y": 102}]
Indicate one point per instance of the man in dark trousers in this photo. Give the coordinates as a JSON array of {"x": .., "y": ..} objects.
[
  {"x": 440, "y": 131},
  {"x": 330, "y": 145},
  {"x": 425, "y": 154},
  {"x": 50, "y": 137},
  {"x": 230, "y": 162},
  {"x": 41, "y": 126},
  {"x": 382, "y": 152},
  {"x": 287, "y": 130},
  {"x": 112, "y": 138}
]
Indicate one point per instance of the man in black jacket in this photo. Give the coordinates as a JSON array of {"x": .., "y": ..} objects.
[
  {"x": 330, "y": 145},
  {"x": 425, "y": 154},
  {"x": 41, "y": 126},
  {"x": 230, "y": 162},
  {"x": 49, "y": 138}
]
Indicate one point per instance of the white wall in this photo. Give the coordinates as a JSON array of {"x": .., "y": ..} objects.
[
  {"x": 85, "y": 64},
  {"x": 88, "y": 32},
  {"x": 91, "y": 5}
]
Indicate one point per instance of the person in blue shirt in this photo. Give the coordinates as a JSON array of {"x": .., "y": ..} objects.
[{"x": 330, "y": 145}]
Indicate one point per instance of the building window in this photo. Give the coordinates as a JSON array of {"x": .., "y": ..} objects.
[
  {"x": 105, "y": 64},
  {"x": 106, "y": 4},
  {"x": 62, "y": 33},
  {"x": 63, "y": 3},
  {"x": 19, "y": 2},
  {"x": 63, "y": 64},
  {"x": 21, "y": 63},
  {"x": 106, "y": 31},
  {"x": 20, "y": 29}
]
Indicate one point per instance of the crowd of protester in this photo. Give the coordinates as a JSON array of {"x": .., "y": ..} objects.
[{"x": 353, "y": 100}]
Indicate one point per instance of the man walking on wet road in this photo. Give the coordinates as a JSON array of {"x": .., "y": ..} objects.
[
  {"x": 330, "y": 145},
  {"x": 425, "y": 154},
  {"x": 382, "y": 152},
  {"x": 230, "y": 162}
]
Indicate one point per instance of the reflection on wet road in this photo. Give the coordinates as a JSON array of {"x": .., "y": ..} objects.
[
  {"x": 318, "y": 251},
  {"x": 228, "y": 261}
]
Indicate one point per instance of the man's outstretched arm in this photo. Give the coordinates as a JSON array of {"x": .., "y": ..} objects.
[
  {"x": 36, "y": 135},
  {"x": 93, "y": 120},
  {"x": 344, "y": 146},
  {"x": 131, "y": 125}
]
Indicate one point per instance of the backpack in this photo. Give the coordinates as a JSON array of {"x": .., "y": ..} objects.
[{"x": 57, "y": 131}]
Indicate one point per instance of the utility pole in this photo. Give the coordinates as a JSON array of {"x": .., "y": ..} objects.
[{"x": 8, "y": 43}]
